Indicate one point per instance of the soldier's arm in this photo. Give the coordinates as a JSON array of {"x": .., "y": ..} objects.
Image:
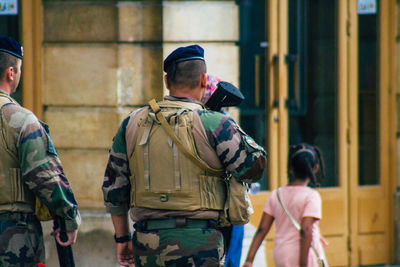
[
  {"x": 116, "y": 185},
  {"x": 40, "y": 166},
  {"x": 239, "y": 153}
]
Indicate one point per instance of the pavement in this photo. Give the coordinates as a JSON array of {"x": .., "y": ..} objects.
[{"x": 260, "y": 259}]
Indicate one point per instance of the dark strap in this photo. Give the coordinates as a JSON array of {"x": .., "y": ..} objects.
[
  {"x": 199, "y": 162},
  {"x": 18, "y": 216},
  {"x": 8, "y": 97},
  {"x": 173, "y": 223}
]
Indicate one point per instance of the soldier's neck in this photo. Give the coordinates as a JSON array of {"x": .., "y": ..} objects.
[
  {"x": 5, "y": 89},
  {"x": 195, "y": 93}
]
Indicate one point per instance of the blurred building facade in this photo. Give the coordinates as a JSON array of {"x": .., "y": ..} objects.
[{"x": 322, "y": 72}]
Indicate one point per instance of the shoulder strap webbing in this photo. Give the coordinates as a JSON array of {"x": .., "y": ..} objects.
[
  {"x": 200, "y": 163},
  {"x": 296, "y": 224},
  {"x": 9, "y": 98}
]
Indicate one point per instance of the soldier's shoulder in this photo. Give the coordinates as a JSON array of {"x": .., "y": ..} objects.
[
  {"x": 213, "y": 120},
  {"x": 16, "y": 115},
  {"x": 137, "y": 112}
]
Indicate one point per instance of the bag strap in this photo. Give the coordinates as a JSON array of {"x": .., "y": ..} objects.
[
  {"x": 9, "y": 98},
  {"x": 296, "y": 224},
  {"x": 200, "y": 163}
]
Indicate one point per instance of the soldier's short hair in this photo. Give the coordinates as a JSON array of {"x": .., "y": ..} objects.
[
  {"x": 6, "y": 61},
  {"x": 187, "y": 74}
]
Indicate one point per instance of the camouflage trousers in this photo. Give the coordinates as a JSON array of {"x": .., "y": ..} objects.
[
  {"x": 198, "y": 247},
  {"x": 21, "y": 243}
]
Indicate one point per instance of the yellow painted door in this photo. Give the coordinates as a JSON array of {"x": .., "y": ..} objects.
[
  {"x": 327, "y": 86},
  {"x": 371, "y": 131}
]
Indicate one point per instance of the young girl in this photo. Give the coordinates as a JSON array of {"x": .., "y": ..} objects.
[{"x": 293, "y": 247}]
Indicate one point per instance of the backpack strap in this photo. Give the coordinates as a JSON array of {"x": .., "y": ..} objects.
[
  {"x": 144, "y": 142},
  {"x": 3, "y": 95},
  {"x": 199, "y": 162}
]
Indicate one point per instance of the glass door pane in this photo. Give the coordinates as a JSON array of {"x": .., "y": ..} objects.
[
  {"x": 368, "y": 97},
  {"x": 312, "y": 65},
  {"x": 253, "y": 54}
]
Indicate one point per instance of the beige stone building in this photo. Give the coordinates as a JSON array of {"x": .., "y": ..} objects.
[{"x": 322, "y": 72}]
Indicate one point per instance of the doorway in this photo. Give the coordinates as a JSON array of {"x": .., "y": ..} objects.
[{"x": 328, "y": 77}]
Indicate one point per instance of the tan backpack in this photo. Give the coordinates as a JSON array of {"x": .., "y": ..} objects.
[{"x": 180, "y": 180}]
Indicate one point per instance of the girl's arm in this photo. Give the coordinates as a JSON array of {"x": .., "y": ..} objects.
[
  {"x": 305, "y": 239},
  {"x": 262, "y": 231}
]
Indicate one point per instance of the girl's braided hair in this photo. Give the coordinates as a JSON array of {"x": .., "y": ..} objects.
[{"x": 302, "y": 160}]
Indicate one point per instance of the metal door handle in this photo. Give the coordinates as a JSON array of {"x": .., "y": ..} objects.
[
  {"x": 257, "y": 80},
  {"x": 275, "y": 74}
]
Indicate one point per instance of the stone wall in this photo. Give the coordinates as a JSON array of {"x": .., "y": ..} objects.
[{"x": 102, "y": 59}]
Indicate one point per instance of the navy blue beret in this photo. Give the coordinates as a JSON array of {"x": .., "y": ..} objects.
[
  {"x": 11, "y": 46},
  {"x": 186, "y": 53}
]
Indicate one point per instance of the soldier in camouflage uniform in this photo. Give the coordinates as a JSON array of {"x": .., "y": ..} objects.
[
  {"x": 29, "y": 169},
  {"x": 152, "y": 180}
]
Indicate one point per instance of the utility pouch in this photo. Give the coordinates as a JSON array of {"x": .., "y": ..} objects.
[{"x": 238, "y": 208}]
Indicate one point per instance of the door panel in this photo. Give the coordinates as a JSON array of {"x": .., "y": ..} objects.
[{"x": 370, "y": 212}]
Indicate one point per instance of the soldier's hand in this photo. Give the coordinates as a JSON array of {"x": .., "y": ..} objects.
[
  {"x": 125, "y": 254},
  {"x": 247, "y": 264},
  {"x": 70, "y": 235}
]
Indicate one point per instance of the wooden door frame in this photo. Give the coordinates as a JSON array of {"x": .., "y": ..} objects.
[
  {"x": 347, "y": 125},
  {"x": 272, "y": 110},
  {"x": 32, "y": 39},
  {"x": 387, "y": 123}
]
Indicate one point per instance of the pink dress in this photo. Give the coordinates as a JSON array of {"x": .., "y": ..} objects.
[{"x": 301, "y": 201}]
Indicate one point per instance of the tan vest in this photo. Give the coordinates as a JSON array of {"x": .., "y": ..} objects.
[
  {"x": 14, "y": 194},
  {"x": 164, "y": 178}
]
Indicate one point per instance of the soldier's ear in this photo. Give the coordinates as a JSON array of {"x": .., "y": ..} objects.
[
  {"x": 166, "y": 81},
  {"x": 9, "y": 74},
  {"x": 203, "y": 80}
]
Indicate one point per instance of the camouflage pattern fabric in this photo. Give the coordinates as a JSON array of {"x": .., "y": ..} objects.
[
  {"x": 43, "y": 174},
  {"x": 21, "y": 243},
  {"x": 41, "y": 168},
  {"x": 178, "y": 247},
  {"x": 235, "y": 149}
]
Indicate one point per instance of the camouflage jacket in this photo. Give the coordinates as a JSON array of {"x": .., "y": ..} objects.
[
  {"x": 237, "y": 152},
  {"x": 41, "y": 168}
]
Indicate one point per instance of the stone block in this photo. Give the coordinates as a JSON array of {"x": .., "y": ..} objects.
[
  {"x": 140, "y": 74},
  {"x": 80, "y": 75},
  {"x": 85, "y": 171},
  {"x": 95, "y": 244},
  {"x": 200, "y": 20},
  {"x": 80, "y": 22},
  {"x": 140, "y": 21},
  {"x": 234, "y": 112},
  {"x": 81, "y": 128},
  {"x": 222, "y": 59}
]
